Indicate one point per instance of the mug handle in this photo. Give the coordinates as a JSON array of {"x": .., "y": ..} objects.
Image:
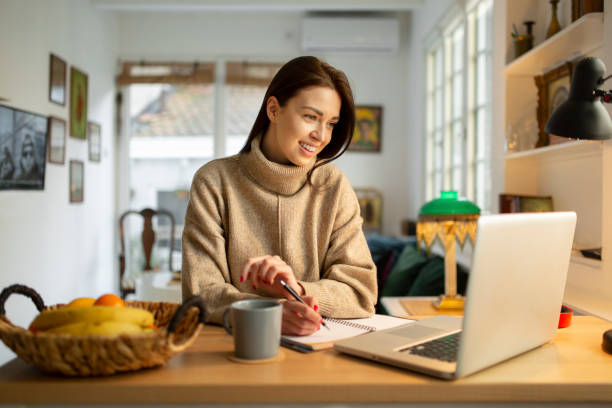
[{"x": 226, "y": 324}]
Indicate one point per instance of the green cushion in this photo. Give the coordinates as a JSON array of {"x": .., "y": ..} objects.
[{"x": 404, "y": 272}]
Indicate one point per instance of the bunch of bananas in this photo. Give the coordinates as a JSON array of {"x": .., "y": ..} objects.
[{"x": 82, "y": 318}]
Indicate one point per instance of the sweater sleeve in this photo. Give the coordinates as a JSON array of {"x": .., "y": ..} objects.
[
  {"x": 205, "y": 268},
  {"x": 347, "y": 288}
]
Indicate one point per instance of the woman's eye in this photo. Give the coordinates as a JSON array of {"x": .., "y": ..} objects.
[
  {"x": 332, "y": 124},
  {"x": 310, "y": 117}
]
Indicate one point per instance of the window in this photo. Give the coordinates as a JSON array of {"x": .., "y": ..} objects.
[
  {"x": 181, "y": 115},
  {"x": 458, "y": 129}
]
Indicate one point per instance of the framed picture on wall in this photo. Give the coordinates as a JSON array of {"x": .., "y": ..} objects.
[
  {"x": 78, "y": 103},
  {"x": 57, "y": 140},
  {"x": 23, "y": 149},
  {"x": 370, "y": 206},
  {"x": 57, "y": 80},
  {"x": 94, "y": 136},
  {"x": 76, "y": 181},
  {"x": 368, "y": 129},
  {"x": 553, "y": 90}
]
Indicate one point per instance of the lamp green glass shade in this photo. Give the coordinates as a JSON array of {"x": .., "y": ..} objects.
[
  {"x": 449, "y": 204},
  {"x": 582, "y": 115}
]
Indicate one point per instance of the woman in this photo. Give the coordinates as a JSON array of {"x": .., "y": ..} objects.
[{"x": 279, "y": 210}]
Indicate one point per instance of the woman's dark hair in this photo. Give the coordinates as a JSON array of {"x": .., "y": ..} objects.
[{"x": 304, "y": 72}]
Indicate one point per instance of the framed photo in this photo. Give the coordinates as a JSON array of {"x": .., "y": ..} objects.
[
  {"x": 370, "y": 206},
  {"x": 57, "y": 140},
  {"x": 57, "y": 80},
  {"x": 94, "y": 135},
  {"x": 368, "y": 129},
  {"x": 514, "y": 203},
  {"x": 76, "y": 181},
  {"x": 23, "y": 148},
  {"x": 553, "y": 90},
  {"x": 78, "y": 103}
]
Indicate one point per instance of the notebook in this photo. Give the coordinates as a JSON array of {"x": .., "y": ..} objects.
[
  {"x": 513, "y": 300},
  {"x": 340, "y": 329}
]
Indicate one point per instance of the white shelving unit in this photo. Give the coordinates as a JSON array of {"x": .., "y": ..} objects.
[{"x": 573, "y": 172}]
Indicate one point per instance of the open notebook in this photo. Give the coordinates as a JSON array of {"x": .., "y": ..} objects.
[{"x": 340, "y": 329}]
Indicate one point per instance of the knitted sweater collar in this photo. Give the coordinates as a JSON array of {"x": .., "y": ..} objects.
[{"x": 278, "y": 178}]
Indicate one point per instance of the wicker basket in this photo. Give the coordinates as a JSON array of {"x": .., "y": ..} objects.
[{"x": 178, "y": 326}]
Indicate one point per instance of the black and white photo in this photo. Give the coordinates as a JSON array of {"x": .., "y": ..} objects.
[{"x": 23, "y": 146}]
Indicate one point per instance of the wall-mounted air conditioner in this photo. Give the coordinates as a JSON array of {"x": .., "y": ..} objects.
[{"x": 350, "y": 34}]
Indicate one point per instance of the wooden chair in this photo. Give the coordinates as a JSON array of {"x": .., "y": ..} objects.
[{"x": 148, "y": 240}]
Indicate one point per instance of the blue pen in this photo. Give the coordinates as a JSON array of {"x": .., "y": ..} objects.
[{"x": 298, "y": 298}]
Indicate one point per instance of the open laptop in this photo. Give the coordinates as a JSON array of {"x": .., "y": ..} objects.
[{"x": 513, "y": 300}]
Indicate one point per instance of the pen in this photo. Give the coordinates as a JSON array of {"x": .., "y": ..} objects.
[{"x": 298, "y": 298}]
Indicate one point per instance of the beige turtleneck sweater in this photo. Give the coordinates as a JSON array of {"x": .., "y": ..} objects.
[{"x": 245, "y": 206}]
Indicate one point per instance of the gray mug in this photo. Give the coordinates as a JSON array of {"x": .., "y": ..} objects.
[{"x": 256, "y": 327}]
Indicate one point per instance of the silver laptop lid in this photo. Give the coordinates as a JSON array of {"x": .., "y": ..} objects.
[{"x": 516, "y": 286}]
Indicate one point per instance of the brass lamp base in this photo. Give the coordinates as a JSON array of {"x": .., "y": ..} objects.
[{"x": 449, "y": 302}]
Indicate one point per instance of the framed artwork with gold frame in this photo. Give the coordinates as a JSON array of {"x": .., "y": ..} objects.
[
  {"x": 553, "y": 90},
  {"x": 368, "y": 129},
  {"x": 370, "y": 206},
  {"x": 78, "y": 103}
]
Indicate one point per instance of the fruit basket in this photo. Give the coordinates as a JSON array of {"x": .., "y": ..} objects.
[{"x": 96, "y": 355}]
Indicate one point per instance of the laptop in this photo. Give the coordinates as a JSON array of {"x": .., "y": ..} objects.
[{"x": 513, "y": 300}]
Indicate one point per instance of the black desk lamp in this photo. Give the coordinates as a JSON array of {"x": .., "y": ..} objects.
[{"x": 583, "y": 116}]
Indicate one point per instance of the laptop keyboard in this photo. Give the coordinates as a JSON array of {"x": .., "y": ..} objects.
[{"x": 444, "y": 348}]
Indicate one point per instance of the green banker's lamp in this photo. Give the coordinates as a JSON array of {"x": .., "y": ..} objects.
[
  {"x": 449, "y": 219},
  {"x": 583, "y": 116}
]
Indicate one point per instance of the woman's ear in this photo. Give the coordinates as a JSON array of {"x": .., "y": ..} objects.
[{"x": 272, "y": 108}]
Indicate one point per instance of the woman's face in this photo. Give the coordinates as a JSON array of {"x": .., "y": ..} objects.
[{"x": 303, "y": 127}]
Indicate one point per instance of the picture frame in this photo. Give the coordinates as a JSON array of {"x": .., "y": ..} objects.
[
  {"x": 78, "y": 103},
  {"x": 56, "y": 140},
  {"x": 23, "y": 147},
  {"x": 94, "y": 137},
  {"x": 370, "y": 206},
  {"x": 553, "y": 90},
  {"x": 515, "y": 203},
  {"x": 57, "y": 80},
  {"x": 76, "y": 181},
  {"x": 367, "y": 136}
]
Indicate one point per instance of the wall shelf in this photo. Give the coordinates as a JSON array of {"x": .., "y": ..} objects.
[
  {"x": 561, "y": 151},
  {"x": 580, "y": 38},
  {"x": 589, "y": 263}
]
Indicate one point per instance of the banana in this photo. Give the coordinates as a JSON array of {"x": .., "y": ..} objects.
[
  {"x": 48, "y": 319},
  {"x": 108, "y": 328}
]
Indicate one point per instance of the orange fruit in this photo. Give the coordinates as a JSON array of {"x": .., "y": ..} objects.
[
  {"x": 109, "y": 299},
  {"x": 82, "y": 301}
]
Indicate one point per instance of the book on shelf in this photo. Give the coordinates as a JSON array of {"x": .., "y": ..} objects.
[
  {"x": 514, "y": 203},
  {"x": 340, "y": 329}
]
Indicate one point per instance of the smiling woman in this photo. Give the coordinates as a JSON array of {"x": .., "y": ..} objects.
[{"x": 279, "y": 210}]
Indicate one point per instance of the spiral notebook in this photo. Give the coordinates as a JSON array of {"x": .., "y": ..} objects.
[{"x": 340, "y": 329}]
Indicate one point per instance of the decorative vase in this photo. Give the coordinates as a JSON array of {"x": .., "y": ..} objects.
[
  {"x": 554, "y": 26},
  {"x": 523, "y": 43}
]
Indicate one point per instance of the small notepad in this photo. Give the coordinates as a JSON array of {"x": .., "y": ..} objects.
[{"x": 341, "y": 329}]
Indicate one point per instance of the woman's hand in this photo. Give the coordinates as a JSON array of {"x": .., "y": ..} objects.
[
  {"x": 266, "y": 272},
  {"x": 300, "y": 319}
]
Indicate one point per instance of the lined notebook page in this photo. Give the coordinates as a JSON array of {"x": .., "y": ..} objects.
[{"x": 342, "y": 329}]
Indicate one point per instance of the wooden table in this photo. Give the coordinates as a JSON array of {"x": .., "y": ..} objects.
[{"x": 572, "y": 368}]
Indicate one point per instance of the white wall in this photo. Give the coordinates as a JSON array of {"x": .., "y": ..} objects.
[
  {"x": 60, "y": 249},
  {"x": 376, "y": 79}
]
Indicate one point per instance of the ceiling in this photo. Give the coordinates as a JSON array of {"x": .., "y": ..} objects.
[{"x": 257, "y": 5}]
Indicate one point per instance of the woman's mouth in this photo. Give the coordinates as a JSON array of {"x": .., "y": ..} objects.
[{"x": 307, "y": 148}]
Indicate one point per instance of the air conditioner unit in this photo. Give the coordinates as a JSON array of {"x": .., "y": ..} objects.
[{"x": 350, "y": 34}]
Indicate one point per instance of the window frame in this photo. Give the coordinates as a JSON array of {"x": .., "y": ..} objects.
[{"x": 459, "y": 170}]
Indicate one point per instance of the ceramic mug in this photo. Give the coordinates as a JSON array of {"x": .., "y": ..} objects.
[{"x": 256, "y": 327}]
